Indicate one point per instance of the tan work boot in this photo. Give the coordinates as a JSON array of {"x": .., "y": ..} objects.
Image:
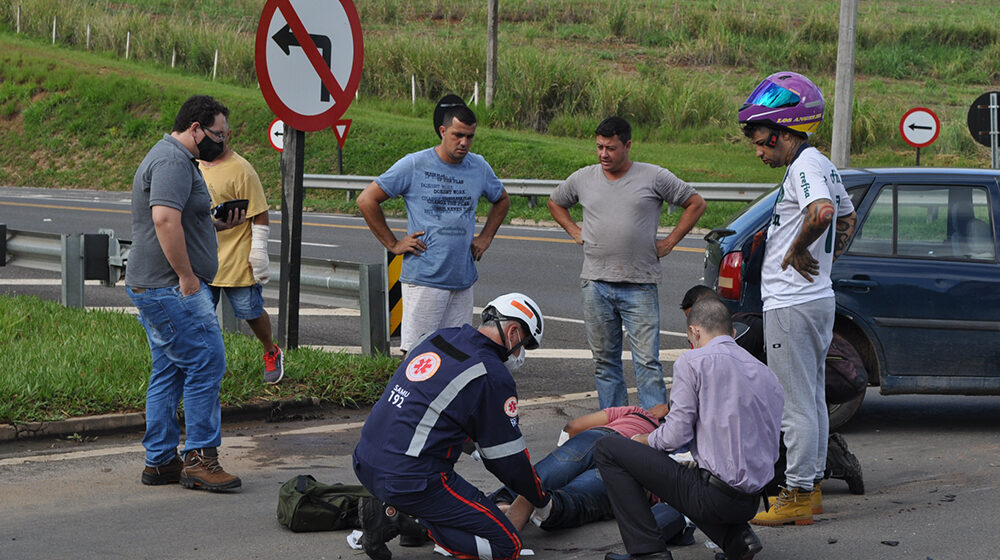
[
  {"x": 792, "y": 506},
  {"x": 203, "y": 471},
  {"x": 815, "y": 499}
]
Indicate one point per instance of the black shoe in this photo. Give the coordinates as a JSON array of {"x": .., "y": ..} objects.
[
  {"x": 844, "y": 465},
  {"x": 749, "y": 546},
  {"x": 661, "y": 555},
  {"x": 411, "y": 533},
  {"x": 380, "y": 523}
]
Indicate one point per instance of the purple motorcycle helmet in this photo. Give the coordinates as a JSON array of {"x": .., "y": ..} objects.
[{"x": 785, "y": 100}]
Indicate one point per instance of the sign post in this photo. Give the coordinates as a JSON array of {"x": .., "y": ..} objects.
[
  {"x": 308, "y": 76},
  {"x": 983, "y": 123},
  {"x": 920, "y": 128}
]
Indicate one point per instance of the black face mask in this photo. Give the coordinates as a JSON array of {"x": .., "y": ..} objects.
[{"x": 209, "y": 149}]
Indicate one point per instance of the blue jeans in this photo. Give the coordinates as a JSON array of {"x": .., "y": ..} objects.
[
  {"x": 563, "y": 464},
  {"x": 579, "y": 497},
  {"x": 189, "y": 360},
  {"x": 247, "y": 301},
  {"x": 606, "y": 307}
]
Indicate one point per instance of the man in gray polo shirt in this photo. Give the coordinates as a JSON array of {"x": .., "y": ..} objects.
[
  {"x": 173, "y": 258},
  {"x": 622, "y": 201}
]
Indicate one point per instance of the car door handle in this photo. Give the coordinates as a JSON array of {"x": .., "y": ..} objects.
[{"x": 857, "y": 284}]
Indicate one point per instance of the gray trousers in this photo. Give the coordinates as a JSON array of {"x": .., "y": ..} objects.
[{"x": 797, "y": 339}]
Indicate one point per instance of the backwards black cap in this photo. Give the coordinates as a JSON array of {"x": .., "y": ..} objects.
[{"x": 447, "y": 102}]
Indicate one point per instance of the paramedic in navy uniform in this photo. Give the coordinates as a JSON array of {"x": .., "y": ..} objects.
[{"x": 453, "y": 389}]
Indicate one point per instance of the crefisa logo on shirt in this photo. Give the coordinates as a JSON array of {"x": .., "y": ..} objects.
[
  {"x": 510, "y": 407},
  {"x": 423, "y": 367}
]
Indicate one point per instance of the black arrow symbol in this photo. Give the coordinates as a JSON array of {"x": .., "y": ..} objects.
[
  {"x": 915, "y": 127},
  {"x": 286, "y": 39},
  {"x": 279, "y": 133}
]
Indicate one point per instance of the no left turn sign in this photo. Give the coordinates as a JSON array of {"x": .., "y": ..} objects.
[
  {"x": 309, "y": 55},
  {"x": 919, "y": 127}
]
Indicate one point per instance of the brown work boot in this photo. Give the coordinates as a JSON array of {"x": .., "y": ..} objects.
[
  {"x": 203, "y": 471},
  {"x": 168, "y": 473}
]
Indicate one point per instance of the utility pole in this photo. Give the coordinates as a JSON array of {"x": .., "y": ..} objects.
[
  {"x": 843, "y": 108},
  {"x": 491, "y": 50}
]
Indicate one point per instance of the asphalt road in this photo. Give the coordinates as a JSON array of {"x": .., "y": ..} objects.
[
  {"x": 931, "y": 469},
  {"x": 539, "y": 261}
]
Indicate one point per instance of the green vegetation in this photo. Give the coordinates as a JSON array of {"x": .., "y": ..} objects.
[
  {"x": 58, "y": 362},
  {"x": 678, "y": 70}
]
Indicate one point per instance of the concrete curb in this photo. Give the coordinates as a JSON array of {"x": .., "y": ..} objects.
[{"x": 136, "y": 421}]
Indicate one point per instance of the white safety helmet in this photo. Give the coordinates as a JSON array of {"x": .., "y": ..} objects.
[{"x": 521, "y": 308}]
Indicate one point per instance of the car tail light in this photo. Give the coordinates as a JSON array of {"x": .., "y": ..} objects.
[{"x": 731, "y": 276}]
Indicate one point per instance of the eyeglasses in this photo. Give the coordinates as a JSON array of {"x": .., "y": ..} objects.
[{"x": 219, "y": 136}]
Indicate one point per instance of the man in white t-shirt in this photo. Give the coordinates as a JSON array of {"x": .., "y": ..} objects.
[{"x": 812, "y": 221}]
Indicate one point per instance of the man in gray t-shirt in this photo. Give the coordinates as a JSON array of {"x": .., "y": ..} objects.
[
  {"x": 173, "y": 258},
  {"x": 622, "y": 201}
]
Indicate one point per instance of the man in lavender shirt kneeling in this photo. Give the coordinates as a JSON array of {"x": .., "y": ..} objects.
[{"x": 727, "y": 406}]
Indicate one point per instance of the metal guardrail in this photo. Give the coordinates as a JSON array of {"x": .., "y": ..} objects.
[
  {"x": 739, "y": 192},
  {"x": 80, "y": 257}
]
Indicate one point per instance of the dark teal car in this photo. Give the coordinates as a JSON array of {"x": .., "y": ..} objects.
[{"x": 918, "y": 288}]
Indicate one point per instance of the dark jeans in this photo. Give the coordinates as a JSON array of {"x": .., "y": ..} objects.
[{"x": 630, "y": 468}]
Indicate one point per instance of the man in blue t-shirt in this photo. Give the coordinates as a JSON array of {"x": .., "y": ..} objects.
[{"x": 441, "y": 187}]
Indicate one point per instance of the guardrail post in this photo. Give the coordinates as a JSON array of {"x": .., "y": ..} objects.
[
  {"x": 374, "y": 329},
  {"x": 72, "y": 270},
  {"x": 226, "y": 314}
]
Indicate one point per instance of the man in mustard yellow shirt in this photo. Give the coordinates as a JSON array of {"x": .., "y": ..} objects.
[{"x": 243, "y": 261}]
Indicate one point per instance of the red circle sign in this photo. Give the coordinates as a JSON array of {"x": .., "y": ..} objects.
[
  {"x": 308, "y": 57},
  {"x": 920, "y": 127}
]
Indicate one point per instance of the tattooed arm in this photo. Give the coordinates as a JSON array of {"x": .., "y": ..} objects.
[
  {"x": 845, "y": 228},
  {"x": 818, "y": 217}
]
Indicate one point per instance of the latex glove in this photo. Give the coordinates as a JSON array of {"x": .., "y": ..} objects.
[
  {"x": 541, "y": 514},
  {"x": 259, "y": 263},
  {"x": 563, "y": 438}
]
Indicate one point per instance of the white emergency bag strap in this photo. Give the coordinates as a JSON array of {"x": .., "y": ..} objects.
[
  {"x": 503, "y": 450},
  {"x": 483, "y": 548},
  {"x": 438, "y": 405}
]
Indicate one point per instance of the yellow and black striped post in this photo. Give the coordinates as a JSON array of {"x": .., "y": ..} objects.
[{"x": 393, "y": 268}]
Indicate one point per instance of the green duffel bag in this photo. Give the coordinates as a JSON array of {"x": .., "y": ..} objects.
[{"x": 307, "y": 505}]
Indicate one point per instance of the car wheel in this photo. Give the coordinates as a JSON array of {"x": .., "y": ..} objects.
[{"x": 841, "y": 413}]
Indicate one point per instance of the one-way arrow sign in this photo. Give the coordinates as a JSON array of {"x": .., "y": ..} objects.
[{"x": 919, "y": 127}]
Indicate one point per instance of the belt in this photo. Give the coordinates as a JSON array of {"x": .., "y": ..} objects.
[
  {"x": 604, "y": 429},
  {"x": 137, "y": 290},
  {"x": 726, "y": 489}
]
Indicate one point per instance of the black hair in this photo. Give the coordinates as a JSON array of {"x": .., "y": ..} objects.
[
  {"x": 694, "y": 294},
  {"x": 615, "y": 126},
  {"x": 201, "y": 109},
  {"x": 752, "y": 127},
  {"x": 712, "y": 315},
  {"x": 460, "y": 112}
]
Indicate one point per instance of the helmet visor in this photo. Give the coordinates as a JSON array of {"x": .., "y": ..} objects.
[{"x": 770, "y": 94}]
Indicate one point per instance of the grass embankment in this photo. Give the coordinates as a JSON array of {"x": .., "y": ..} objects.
[{"x": 58, "y": 362}]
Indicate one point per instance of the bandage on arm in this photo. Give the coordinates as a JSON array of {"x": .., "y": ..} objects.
[{"x": 259, "y": 263}]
